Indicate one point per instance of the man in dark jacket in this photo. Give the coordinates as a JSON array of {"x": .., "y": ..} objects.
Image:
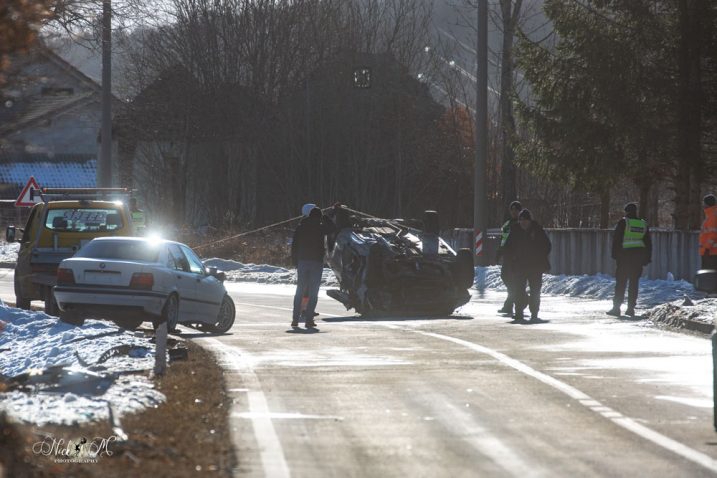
[
  {"x": 632, "y": 249},
  {"x": 307, "y": 254},
  {"x": 526, "y": 250},
  {"x": 506, "y": 273}
]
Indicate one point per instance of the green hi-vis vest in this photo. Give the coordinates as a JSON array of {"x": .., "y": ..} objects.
[
  {"x": 635, "y": 230},
  {"x": 506, "y": 231},
  {"x": 138, "y": 219}
]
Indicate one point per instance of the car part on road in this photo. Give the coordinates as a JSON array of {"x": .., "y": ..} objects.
[{"x": 392, "y": 267}]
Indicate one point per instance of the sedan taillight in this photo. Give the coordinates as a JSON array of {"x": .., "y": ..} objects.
[
  {"x": 142, "y": 280},
  {"x": 65, "y": 277}
]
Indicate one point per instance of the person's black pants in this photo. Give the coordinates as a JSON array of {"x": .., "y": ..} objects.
[
  {"x": 534, "y": 280},
  {"x": 506, "y": 274},
  {"x": 627, "y": 273}
]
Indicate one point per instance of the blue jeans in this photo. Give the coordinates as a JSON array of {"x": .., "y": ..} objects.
[{"x": 308, "y": 281}]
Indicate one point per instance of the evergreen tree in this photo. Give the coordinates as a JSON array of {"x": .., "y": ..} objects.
[{"x": 598, "y": 110}]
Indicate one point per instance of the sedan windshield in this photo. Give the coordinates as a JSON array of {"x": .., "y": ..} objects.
[{"x": 140, "y": 251}]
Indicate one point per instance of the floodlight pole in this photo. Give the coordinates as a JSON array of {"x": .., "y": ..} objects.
[
  {"x": 479, "y": 174},
  {"x": 104, "y": 168}
]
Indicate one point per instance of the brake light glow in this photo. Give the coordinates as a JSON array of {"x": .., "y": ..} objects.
[
  {"x": 142, "y": 280},
  {"x": 65, "y": 277}
]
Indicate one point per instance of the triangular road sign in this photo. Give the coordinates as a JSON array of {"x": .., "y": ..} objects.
[{"x": 26, "y": 198}]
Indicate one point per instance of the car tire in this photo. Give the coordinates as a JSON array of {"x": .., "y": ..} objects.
[
  {"x": 51, "y": 307},
  {"x": 21, "y": 302},
  {"x": 225, "y": 319},
  {"x": 72, "y": 319},
  {"x": 170, "y": 312},
  {"x": 463, "y": 269}
]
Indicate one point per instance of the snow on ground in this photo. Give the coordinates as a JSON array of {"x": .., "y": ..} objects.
[
  {"x": 8, "y": 252},
  {"x": 35, "y": 341}
]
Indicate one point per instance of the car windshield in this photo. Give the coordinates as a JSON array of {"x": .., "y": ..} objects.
[
  {"x": 83, "y": 219},
  {"x": 140, "y": 251}
]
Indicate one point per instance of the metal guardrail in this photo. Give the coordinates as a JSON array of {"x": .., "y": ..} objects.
[{"x": 588, "y": 251}]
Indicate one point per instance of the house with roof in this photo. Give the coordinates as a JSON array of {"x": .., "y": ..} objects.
[{"x": 50, "y": 120}]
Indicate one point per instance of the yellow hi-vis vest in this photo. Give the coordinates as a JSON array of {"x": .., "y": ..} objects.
[
  {"x": 505, "y": 230},
  {"x": 635, "y": 230}
]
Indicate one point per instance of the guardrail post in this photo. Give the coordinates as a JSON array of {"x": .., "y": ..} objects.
[{"x": 160, "y": 352}]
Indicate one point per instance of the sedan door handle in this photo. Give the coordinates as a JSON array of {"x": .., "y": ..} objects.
[{"x": 179, "y": 277}]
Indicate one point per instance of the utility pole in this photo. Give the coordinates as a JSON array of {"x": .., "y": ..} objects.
[
  {"x": 479, "y": 183},
  {"x": 104, "y": 168}
]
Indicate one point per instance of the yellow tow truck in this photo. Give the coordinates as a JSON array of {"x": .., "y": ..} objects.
[{"x": 58, "y": 226}]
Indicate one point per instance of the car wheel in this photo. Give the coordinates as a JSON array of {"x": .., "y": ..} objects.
[
  {"x": 21, "y": 302},
  {"x": 72, "y": 319},
  {"x": 170, "y": 312},
  {"x": 225, "y": 319},
  {"x": 50, "y": 302}
]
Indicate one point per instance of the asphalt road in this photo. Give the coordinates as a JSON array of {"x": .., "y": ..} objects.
[{"x": 581, "y": 394}]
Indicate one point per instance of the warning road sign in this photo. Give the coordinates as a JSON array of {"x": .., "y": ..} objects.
[{"x": 27, "y": 198}]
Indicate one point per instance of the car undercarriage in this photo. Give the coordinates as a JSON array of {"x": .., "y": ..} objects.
[{"x": 393, "y": 267}]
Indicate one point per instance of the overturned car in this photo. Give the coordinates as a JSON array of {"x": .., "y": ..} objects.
[{"x": 396, "y": 267}]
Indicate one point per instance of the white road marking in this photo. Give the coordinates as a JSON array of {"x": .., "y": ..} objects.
[
  {"x": 584, "y": 399},
  {"x": 617, "y": 418},
  {"x": 272, "y": 453}
]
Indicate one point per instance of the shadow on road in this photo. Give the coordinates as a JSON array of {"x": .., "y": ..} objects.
[
  {"x": 528, "y": 322},
  {"x": 360, "y": 318},
  {"x": 298, "y": 330}
]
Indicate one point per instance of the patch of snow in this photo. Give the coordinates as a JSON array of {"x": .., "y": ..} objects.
[
  {"x": 263, "y": 273},
  {"x": 34, "y": 340},
  {"x": 8, "y": 251}
]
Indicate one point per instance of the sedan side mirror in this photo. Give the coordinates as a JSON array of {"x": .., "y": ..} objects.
[
  {"x": 10, "y": 234},
  {"x": 214, "y": 272}
]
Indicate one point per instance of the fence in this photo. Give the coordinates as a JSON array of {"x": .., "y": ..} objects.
[{"x": 588, "y": 251}]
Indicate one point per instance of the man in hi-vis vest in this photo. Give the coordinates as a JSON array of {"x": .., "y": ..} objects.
[
  {"x": 139, "y": 218},
  {"x": 708, "y": 234},
  {"x": 632, "y": 249}
]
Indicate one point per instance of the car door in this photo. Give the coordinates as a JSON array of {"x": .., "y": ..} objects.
[
  {"x": 185, "y": 282},
  {"x": 209, "y": 292}
]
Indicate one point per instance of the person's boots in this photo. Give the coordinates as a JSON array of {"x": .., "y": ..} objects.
[
  {"x": 507, "y": 308},
  {"x": 615, "y": 311},
  {"x": 630, "y": 311}
]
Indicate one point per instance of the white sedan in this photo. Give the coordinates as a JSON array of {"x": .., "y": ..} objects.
[{"x": 131, "y": 279}]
